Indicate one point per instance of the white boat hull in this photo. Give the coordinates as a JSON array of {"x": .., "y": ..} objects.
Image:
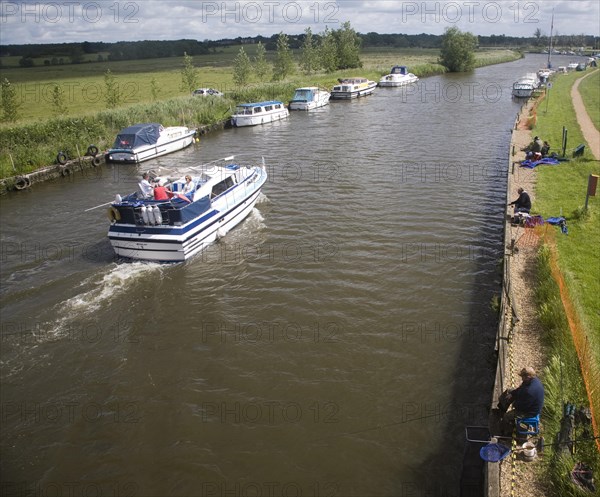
[
  {"x": 163, "y": 248},
  {"x": 264, "y": 118},
  {"x": 309, "y": 98},
  {"x": 393, "y": 81},
  {"x": 176, "y": 242},
  {"x": 348, "y": 95},
  {"x": 141, "y": 154}
]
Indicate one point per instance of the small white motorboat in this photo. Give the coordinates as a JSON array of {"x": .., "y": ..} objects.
[
  {"x": 349, "y": 88},
  {"x": 399, "y": 76},
  {"x": 259, "y": 113},
  {"x": 309, "y": 97},
  {"x": 524, "y": 87},
  {"x": 221, "y": 195},
  {"x": 149, "y": 140}
]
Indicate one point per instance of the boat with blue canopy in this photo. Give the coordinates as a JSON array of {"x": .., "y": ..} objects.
[
  {"x": 398, "y": 76},
  {"x": 146, "y": 141}
]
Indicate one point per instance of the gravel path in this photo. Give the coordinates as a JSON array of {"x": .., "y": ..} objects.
[{"x": 590, "y": 133}]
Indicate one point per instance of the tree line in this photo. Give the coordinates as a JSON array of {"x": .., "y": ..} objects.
[{"x": 76, "y": 53}]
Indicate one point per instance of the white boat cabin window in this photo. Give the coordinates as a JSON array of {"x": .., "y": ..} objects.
[
  {"x": 257, "y": 110},
  {"x": 222, "y": 186},
  {"x": 268, "y": 108},
  {"x": 278, "y": 106}
]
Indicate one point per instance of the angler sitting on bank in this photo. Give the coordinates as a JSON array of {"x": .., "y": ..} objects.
[{"x": 523, "y": 202}]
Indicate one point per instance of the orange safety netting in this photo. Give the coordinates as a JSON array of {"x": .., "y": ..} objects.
[{"x": 589, "y": 369}]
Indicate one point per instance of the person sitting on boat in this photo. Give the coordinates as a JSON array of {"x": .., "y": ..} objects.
[
  {"x": 189, "y": 186},
  {"x": 523, "y": 202},
  {"x": 187, "y": 191},
  {"x": 161, "y": 192},
  {"x": 527, "y": 400},
  {"x": 146, "y": 187}
]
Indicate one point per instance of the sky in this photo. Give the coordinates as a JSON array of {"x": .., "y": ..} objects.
[{"x": 122, "y": 20}]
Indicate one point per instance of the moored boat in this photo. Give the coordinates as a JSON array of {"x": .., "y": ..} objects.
[
  {"x": 309, "y": 97},
  {"x": 252, "y": 114},
  {"x": 524, "y": 87},
  {"x": 398, "y": 76},
  {"x": 217, "y": 197},
  {"x": 149, "y": 140},
  {"x": 349, "y": 88}
]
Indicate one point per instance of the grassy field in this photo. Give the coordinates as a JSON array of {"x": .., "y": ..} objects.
[
  {"x": 561, "y": 190},
  {"x": 84, "y": 89}
]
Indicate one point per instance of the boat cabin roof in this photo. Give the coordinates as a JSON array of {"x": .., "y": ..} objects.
[
  {"x": 399, "y": 70},
  {"x": 352, "y": 81},
  {"x": 138, "y": 135},
  {"x": 261, "y": 104}
]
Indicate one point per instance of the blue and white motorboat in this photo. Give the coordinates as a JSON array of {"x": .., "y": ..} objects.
[
  {"x": 149, "y": 140},
  {"x": 309, "y": 97},
  {"x": 222, "y": 194},
  {"x": 349, "y": 88},
  {"x": 259, "y": 113},
  {"x": 398, "y": 76}
]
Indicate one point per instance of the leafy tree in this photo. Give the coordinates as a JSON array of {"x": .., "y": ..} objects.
[
  {"x": 284, "y": 63},
  {"x": 241, "y": 68},
  {"x": 328, "y": 53},
  {"x": 458, "y": 50},
  {"x": 113, "y": 95},
  {"x": 261, "y": 66},
  {"x": 348, "y": 47},
  {"x": 154, "y": 89},
  {"x": 189, "y": 74},
  {"x": 309, "y": 60},
  {"x": 26, "y": 62},
  {"x": 58, "y": 101},
  {"x": 10, "y": 103}
]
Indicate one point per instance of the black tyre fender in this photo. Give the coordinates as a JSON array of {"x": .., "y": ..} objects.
[
  {"x": 65, "y": 171},
  {"x": 92, "y": 150},
  {"x": 62, "y": 158},
  {"x": 22, "y": 182},
  {"x": 96, "y": 161}
]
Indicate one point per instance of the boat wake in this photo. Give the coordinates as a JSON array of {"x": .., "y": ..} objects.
[{"x": 104, "y": 288}]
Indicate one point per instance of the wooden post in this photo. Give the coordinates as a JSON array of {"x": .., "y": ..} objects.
[{"x": 591, "y": 189}]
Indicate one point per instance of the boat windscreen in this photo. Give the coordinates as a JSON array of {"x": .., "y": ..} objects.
[{"x": 303, "y": 95}]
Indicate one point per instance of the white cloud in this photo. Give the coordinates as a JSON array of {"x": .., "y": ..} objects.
[{"x": 81, "y": 20}]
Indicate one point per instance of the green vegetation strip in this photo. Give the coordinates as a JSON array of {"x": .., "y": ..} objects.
[{"x": 561, "y": 190}]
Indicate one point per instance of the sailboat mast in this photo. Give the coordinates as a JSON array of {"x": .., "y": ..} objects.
[{"x": 550, "y": 46}]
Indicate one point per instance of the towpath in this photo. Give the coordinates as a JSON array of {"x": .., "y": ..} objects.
[{"x": 589, "y": 131}]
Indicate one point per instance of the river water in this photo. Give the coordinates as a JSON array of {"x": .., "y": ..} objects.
[{"x": 335, "y": 343}]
